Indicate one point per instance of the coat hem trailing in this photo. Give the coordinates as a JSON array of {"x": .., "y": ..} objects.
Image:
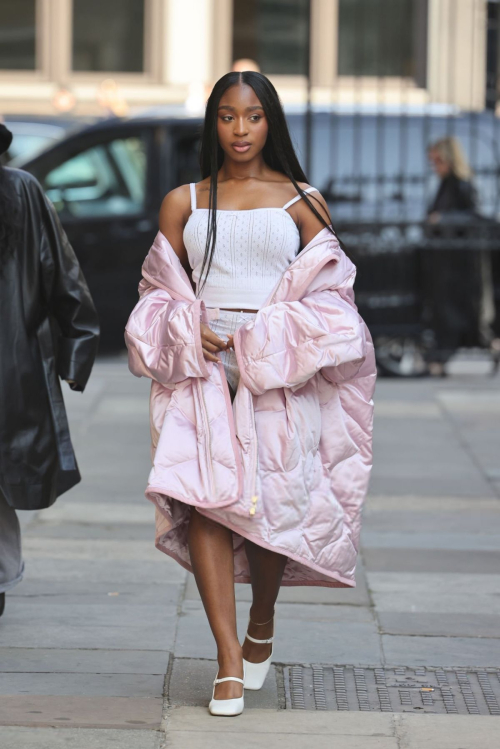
[{"x": 338, "y": 581}]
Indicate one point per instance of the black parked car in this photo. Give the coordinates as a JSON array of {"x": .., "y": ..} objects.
[
  {"x": 35, "y": 133},
  {"x": 107, "y": 183}
]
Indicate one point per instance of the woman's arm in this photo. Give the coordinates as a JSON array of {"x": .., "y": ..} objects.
[{"x": 174, "y": 213}]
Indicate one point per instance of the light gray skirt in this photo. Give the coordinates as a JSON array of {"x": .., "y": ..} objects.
[{"x": 223, "y": 323}]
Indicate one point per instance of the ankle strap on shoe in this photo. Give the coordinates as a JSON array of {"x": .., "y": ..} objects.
[
  {"x": 260, "y": 642},
  {"x": 261, "y": 624},
  {"x": 228, "y": 678}
]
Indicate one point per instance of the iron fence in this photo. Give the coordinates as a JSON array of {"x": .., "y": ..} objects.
[{"x": 409, "y": 73}]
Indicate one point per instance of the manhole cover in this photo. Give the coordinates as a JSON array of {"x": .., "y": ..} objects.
[{"x": 458, "y": 691}]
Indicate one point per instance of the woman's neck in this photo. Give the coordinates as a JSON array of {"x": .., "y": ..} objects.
[{"x": 254, "y": 169}]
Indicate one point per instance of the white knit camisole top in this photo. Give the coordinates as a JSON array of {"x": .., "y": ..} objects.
[{"x": 253, "y": 249}]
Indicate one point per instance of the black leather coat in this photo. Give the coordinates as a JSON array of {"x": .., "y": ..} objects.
[{"x": 48, "y": 330}]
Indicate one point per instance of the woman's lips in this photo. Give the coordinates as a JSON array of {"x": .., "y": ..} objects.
[{"x": 241, "y": 149}]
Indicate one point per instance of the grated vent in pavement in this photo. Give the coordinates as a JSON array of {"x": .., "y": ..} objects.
[{"x": 459, "y": 691}]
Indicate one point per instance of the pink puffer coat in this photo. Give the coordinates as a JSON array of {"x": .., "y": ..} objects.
[{"x": 287, "y": 464}]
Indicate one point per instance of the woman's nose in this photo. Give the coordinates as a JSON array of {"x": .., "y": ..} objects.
[{"x": 240, "y": 127}]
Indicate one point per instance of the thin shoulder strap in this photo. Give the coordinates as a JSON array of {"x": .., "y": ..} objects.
[
  {"x": 192, "y": 188},
  {"x": 298, "y": 197}
]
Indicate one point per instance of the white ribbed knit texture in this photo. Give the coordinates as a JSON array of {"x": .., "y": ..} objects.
[{"x": 254, "y": 247}]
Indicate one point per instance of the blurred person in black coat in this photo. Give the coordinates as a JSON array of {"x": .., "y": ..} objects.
[
  {"x": 458, "y": 281},
  {"x": 48, "y": 331}
]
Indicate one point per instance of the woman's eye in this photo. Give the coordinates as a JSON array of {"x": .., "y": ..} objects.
[{"x": 255, "y": 115}]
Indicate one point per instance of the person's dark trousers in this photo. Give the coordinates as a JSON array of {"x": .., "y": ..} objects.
[{"x": 11, "y": 560}]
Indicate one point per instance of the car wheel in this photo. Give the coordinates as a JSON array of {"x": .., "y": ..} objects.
[{"x": 400, "y": 357}]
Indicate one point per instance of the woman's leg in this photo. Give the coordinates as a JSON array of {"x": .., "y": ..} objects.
[
  {"x": 266, "y": 572},
  {"x": 212, "y": 560}
]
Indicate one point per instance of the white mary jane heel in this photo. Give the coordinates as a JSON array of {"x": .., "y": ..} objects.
[
  {"x": 255, "y": 673},
  {"x": 227, "y": 707}
]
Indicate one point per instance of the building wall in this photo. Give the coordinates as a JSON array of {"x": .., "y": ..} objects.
[{"x": 188, "y": 45}]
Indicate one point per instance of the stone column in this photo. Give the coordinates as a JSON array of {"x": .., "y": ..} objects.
[{"x": 457, "y": 53}]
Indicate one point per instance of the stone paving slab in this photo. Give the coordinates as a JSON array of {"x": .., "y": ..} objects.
[
  {"x": 446, "y": 625},
  {"x": 133, "y": 593},
  {"x": 92, "y": 712},
  {"x": 337, "y": 634},
  {"x": 71, "y": 632},
  {"x": 447, "y": 732},
  {"x": 389, "y": 482},
  {"x": 487, "y": 523},
  {"x": 78, "y": 738},
  {"x": 112, "y": 610},
  {"x": 465, "y": 542},
  {"x": 412, "y": 503},
  {"x": 86, "y": 685},
  {"x": 93, "y": 571},
  {"x": 43, "y": 548},
  {"x": 404, "y": 409},
  {"x": 122, "y": 532},
  {"x": 432, "y": 560},
  {"x": 48, "y": 660},
  {"x": 286, "y": 740},
  {"x": 102, "y": 513},
  {"x": 194, "y": 728},
  {"x": 435, "y": 592},
  {"x": 481, "y": 402},
  {"x": 191, "y": 684},
  {"x": 128, "y": 489},
  {"x": 441, "y": 651},
  {"x": 298, "y": 728}
]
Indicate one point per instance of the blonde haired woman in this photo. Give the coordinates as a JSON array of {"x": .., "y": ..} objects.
[{"x": 455, "y": 277}]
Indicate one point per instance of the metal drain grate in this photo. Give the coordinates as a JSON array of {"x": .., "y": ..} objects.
[{"x": 458, "y": 691}]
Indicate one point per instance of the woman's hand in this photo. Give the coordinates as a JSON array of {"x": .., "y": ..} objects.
[{"x": 210, "y": 343}]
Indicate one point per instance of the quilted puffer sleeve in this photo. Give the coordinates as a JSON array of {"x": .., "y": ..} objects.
[
  {"x": 288, "y": 342},
  {"x": 163, "y": 338}
]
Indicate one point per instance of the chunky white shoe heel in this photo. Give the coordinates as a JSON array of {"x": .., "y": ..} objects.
[
  {"x": 255, "y": 673},
  {"x": 227, "y": 707}
]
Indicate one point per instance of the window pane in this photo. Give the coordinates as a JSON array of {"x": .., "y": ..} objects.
[
  {"x": 376, "y": 37},
  {"x": 106, "y": 180},
  {"x": 17, "y": 35},
  {"x": 275, "y": 33},
  {"x": 108, "y": 36}
]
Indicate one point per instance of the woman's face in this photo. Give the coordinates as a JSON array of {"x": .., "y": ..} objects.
[
  {"x": 241, "y": 123},
  {"x": 440, "y": 166}
]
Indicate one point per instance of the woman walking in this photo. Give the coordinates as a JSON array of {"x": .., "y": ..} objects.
[
  {"x": 48, "y": 330},
  {"x": 263, "y": 374},
  {"x": 459, "y": 281}
]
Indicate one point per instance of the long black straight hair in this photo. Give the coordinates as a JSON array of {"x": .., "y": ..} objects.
[{"x": 278, "y": 151}]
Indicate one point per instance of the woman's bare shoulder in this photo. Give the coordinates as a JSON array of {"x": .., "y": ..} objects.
[
  {"x": 174, "y": 212},
  {"x": 176, "y": 203}
]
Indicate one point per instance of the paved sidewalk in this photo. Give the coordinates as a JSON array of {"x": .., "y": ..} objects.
[{"x": 106, "y": 640}]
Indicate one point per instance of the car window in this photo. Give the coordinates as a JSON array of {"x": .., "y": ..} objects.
[
  {"x": 27, "y": 146},
  {"x": 108, "y": 179}
]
